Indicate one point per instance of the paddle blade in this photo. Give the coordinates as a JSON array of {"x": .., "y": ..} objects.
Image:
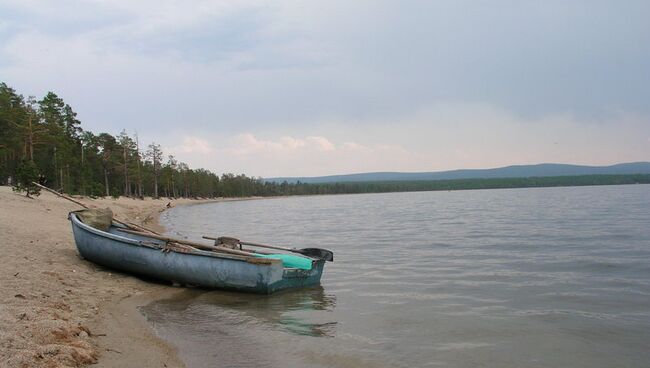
[{"x": 319, "y": 253}]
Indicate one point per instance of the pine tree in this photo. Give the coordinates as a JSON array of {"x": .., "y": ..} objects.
[
  {"x": 26, "y": 175},
  {"x": 154, "y": 153}
]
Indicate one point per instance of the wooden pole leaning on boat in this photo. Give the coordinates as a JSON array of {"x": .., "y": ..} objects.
[
  {"x": 191, "y": 243},
  {"x": 130, "y": 225},
  {"x": 59, "y": 194}
]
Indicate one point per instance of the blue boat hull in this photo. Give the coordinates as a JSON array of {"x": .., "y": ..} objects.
[{"x": 150, "y": 257}]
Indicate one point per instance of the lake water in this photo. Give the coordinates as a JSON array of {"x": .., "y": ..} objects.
[{"x": 547, "y": 277}]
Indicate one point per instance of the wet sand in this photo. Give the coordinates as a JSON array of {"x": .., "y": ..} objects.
[{"x": 57, "y": 310}]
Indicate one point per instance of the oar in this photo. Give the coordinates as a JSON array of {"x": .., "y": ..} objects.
[
  {"x": 318, "y": 253},
  {"x": 190, "y": 243}
]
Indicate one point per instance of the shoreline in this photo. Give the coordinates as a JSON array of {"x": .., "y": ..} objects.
[{"x": 57, "y": 310}]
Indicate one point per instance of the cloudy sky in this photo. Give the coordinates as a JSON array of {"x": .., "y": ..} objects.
[{"x": 288, "y": 88}]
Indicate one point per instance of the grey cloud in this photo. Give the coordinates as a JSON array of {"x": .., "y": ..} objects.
[{"x": 293, "y": 65}]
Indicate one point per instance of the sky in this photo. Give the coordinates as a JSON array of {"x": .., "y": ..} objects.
[{"x": 308, "y": 88}]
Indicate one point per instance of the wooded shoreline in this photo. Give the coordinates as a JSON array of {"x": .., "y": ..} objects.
[{"x": 42, "y": 140}]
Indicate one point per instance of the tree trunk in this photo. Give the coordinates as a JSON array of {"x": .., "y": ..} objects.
[
  {"x": 137, "y": 150},
  {"x": 83, "y": 172},
  {"x": 173, "y": 186},
  {"x": 31, "y": 139},
  {"x": 126, "y": 173},
  {"x": 155, "y": 185},
  {"x": 56, "y": 168},
  {"x": 108, "y": 193},
  {"x": 139, "y": 182},
  {"x": 67, "y": 178}
]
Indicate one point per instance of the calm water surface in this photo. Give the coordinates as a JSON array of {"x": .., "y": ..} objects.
[{"x": 551, "y": 277}]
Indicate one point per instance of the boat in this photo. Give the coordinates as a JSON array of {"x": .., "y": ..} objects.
[{"x": 147, "y": 255}]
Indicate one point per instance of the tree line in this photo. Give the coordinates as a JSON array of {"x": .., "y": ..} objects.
[
  {"x": 42, "y": 140},
  {"x": 463, "y": 184}
]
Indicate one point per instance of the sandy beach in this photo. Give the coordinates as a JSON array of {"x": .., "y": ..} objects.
[{"x": 57, "y": 310}]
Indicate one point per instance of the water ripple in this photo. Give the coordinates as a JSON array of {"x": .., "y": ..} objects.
[{"x": 495, "y": 278}]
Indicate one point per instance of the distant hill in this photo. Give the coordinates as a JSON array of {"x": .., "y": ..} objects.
[{"x": 516, "y": 171}]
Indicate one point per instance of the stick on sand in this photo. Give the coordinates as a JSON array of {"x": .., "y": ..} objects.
[{"x": 129, "y": 225}]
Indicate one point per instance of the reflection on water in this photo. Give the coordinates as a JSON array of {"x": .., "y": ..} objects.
[
  {"x": 281, "y": 311},
  {"x": 208, "y": 312},
  {"x": 553, "y": 277}
]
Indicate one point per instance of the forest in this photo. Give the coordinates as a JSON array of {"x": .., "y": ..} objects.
[{"x": 42, "y": 140}]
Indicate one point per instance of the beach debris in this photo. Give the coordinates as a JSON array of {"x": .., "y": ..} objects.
[
  {"x": 60, "y": 306},
  {"x": 50, "y": 350},
  {"x": 20, "y": 296},
  {"x": 84, "y": 355},
  {"x": 84, "y": 329}
]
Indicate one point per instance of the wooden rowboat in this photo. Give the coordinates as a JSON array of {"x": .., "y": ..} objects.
[{"x": 147, "y": 256}]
